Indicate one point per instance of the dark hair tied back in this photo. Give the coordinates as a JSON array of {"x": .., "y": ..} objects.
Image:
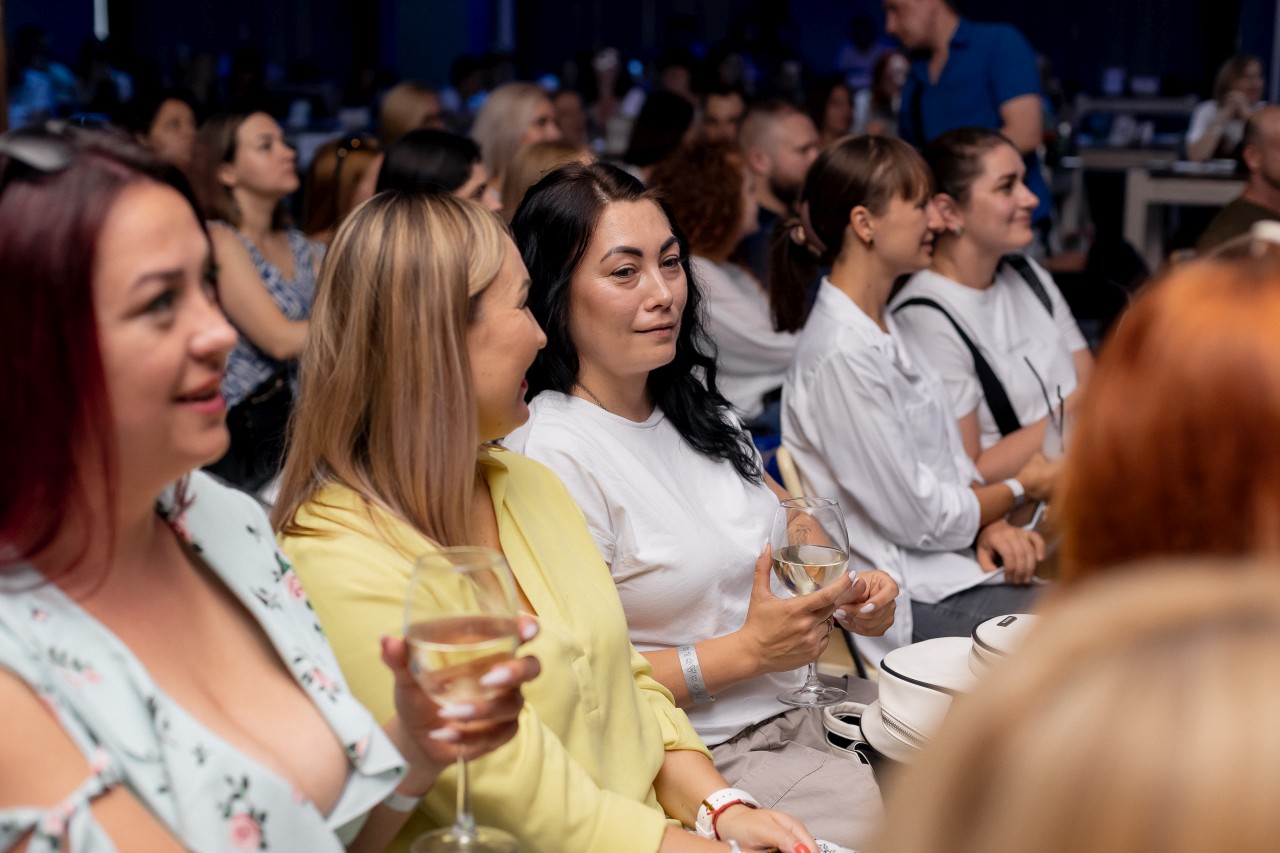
[{"x": 857, "y": 171}]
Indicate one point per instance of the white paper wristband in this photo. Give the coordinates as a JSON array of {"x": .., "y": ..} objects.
[{"x": 693, "y": 675}]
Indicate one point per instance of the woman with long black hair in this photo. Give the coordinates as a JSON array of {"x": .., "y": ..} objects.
[{"x": 627, "y": 413}]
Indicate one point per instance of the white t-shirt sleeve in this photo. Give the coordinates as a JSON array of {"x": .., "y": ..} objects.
[
  {"x": 1072, "y": 338},
  {"x": 1201, "y": 117},
  {"x": 868, "y": 447},
  {"x": 932, "y": 334},
  {"x": 549, "y": 444}
]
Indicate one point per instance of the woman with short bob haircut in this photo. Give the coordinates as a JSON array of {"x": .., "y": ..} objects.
[
  {"x": 868, "y": 421},
  {"x": 416, "y": 366},
  {"x": 1217, "y": 125},
  {"x": 1174, "y": 450},
  {"x": 166, "y": 683},
  {"x": 626, "y": 412}
]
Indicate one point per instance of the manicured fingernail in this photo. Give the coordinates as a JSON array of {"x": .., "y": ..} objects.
[
  {"x": 496, "y": 678},
  {"x": 841, "y": 614},
  {"x": 868, "y": 607},
  {"x": 800, "y": 848},
  {"x": 461, "y": 711},
  {"x": 446, "y": 735},
  {"x": 528, "y": 630},
  {"x": 853, "y": 575}
]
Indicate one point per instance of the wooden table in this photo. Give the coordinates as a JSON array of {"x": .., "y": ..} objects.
[{"x": 1147, "y": 192}]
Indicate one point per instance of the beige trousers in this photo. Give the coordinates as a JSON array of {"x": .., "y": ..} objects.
[{"x": 786, "y": 763}]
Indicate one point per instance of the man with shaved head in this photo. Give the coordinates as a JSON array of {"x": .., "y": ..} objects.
[
  {"x": 1260, "y": 152},
  {"x": 779, "y": 144}
]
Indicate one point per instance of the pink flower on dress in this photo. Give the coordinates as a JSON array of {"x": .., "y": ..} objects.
[
  {"x": 323, "y": 681},
  {"x": 99, "y": 762},
  {"x": 361, "y": 747},
  {"x": 39, "y": 615},
  {"x": 294, "y": 586},
  {"x": 55, "y": 820},
  {"x": 246, "y": 834}
]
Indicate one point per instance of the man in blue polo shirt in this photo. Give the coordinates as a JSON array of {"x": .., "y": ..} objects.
[{"x": 966, "y": 74}]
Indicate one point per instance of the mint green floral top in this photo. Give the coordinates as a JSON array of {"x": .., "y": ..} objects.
[{"x": 209, "y": 795}]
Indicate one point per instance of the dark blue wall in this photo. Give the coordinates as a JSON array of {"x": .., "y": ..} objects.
[{"x": 1175, "y": 39}]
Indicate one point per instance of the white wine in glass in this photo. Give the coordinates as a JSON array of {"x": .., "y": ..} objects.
[
  {"x": 810, "y": 550},
  {"x": 459, "y": 622}
]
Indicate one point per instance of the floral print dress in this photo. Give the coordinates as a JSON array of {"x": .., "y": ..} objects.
[{"x": 209, "y": 795}]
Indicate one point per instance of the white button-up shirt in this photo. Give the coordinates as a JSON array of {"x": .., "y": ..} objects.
[{"x": 869, "y": 423}]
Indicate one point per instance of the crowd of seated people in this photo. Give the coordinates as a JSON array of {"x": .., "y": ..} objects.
[{"x": 516, "y": 339}]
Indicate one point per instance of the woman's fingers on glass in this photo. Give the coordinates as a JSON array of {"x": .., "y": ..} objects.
[
  {"x": 527, "y": 627},
  {"x": 512, "y": 673},
  {"x": 824, "y": 600}
]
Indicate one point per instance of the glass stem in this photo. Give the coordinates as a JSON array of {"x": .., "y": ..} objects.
[
  {"x": 464, "y": 823},
  {"x": 812, "y": 682}
]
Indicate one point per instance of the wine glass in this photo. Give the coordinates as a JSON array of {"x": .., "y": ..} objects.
[
  {"x": 459, "y": 622},
  {"x": 810, "y": 550}
]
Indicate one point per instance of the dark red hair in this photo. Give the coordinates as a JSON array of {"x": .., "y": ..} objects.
[
  {"x": 1176, "y": 448},
  {"x": 53, "y": 393},
  {"x": 702, "y": 183}
]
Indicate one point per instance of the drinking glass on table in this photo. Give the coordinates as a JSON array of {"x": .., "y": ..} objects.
[
  {"x": 459, "y": 622},
  {"x": 810, "y": 550}
]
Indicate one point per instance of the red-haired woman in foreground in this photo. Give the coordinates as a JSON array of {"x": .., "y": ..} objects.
[{"x": 1175, "y": 450}]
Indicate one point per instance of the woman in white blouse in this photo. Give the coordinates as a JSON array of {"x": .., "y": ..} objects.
[
  {"x": 868, "y": 421},
  {"x": 978, "y": 292}
]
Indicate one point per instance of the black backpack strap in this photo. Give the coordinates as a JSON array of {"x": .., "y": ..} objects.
[
  {"x": 1023, "y": 267},
  {"x": 992, "y": 389}
]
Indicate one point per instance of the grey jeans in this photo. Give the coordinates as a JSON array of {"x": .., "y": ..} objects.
[
  {"x": 786, "y": 763},
  {"x": 956, "y": 615}
]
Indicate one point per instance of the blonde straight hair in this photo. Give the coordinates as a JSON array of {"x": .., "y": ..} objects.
[
  {"x": 386, "y": 405},
  {"x": 501, "y": 122}
]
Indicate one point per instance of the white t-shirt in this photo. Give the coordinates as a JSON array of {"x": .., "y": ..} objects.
[
  {"x": 1012, "y": 330},
  {"x": 680, "y": 532},
  {"x": 1204, "y": 114},
  {"x": 868, "y": 422},
  {"x": 751, "y": 358}
]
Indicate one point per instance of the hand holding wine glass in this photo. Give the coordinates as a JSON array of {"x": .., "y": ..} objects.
[
  {"x": 810, "y": 552},
  {"x": 430, "y": 737},
  {"x": 460, "y": 628}
]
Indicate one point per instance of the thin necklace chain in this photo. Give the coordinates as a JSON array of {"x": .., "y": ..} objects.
[{"x": 593, "y": 397}]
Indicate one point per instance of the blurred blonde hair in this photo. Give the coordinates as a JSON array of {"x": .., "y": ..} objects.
[
  {"x": 404, "y": 108},
  {"x": 1139, "y": 715},
  {"x": 531, "y": 163},
  {"x": 386, "y": 406},
  {"x": 501, "y": 122}
]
